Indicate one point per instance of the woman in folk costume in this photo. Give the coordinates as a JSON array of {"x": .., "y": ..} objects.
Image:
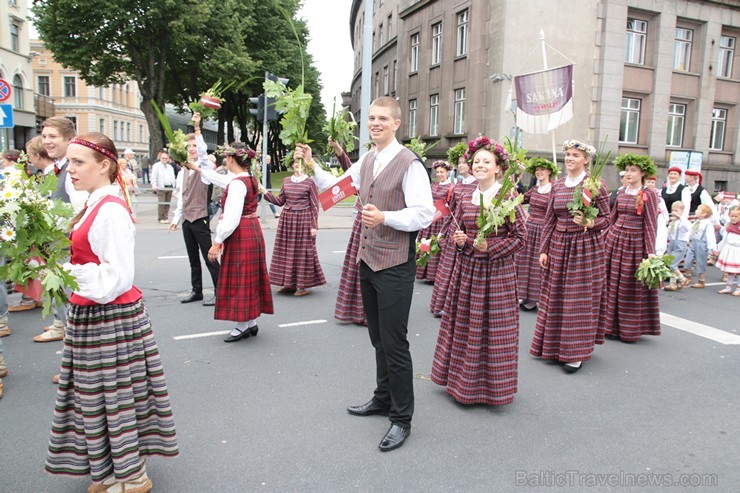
[
  {"x": 664, "y": 216},
  {"x": 448, "y": 250},
  {"x": 672, "y": 189},
  {"x": 440, "y": 191},
  {"x": 112, "y": 407},
  {"x": 295, "y": 262},
  {"x": 243, "y": 290},
  {"x": 572, "y": 257},
  {"x": 529, "y": 271},
  {"x": 628, "y": 308},
  {"x": 476, "y": 356}
]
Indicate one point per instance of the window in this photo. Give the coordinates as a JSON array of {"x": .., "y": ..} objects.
[
  {"x": 376, "y": 87},
  {"x": 462, "y": 33},
  {"x": 73, "y": 119},
  {"x": 386, "y": 80},
  {"x": 717, "y": 137},
  {"x": 390, "y": 28},
  {"x": 15, "y": 44},
  {"x": 434, "y": 115},
  {"x": 101, "y": 94},
  {"x": 436, "y": 43},
  {"x": 629, "y": 121},
  {"x": 70, "y": 87},
  {"x": 42, "y": 84},
  {"x": 459, "y": 121},
  {"x": 395, "y": 74},
  {"x": 412, "y": 118},
  {"x": 682, "y": 49},
  {"x": 141, "y": 133},
  {"x": 414, "y": 61},
  {"x": 380, "y": 35},
  {"x": 676, "y": 116},
  {"x": 635, "y": 45},
  {"x": 101, "y": 127},
  {"x": 128, "y": 132},
  {"x": 115, "y": 130},
  {"x": 726, "y": 54},
  {"x": 18, "y": 91}
]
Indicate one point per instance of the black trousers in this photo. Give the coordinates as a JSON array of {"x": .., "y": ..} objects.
[
  {"x": 197, "y": 235},
  {"x": 386, "y": 295}
]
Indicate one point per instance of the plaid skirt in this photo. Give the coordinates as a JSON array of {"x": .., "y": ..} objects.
[
  {"x": 447, "y": 258},
  {"x": 243, "y": 292},
  {"x": 295, "y": 262},
  {"x": 528, "y": 270},
  {"x": 112, "y": 405},
  {"x": 349, "y": 307}
]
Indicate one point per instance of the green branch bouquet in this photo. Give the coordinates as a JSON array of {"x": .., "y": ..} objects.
[
  {"x": 426, "y": 248},
  {"x": 341, "y": 130},
  {"x": 418, "y": 147},
  {"x": 294, "y": 104},
  {"x": 653, "y": 271},
  {"x": 584, "y": 194},
  {"x": 177, "y": 141}
]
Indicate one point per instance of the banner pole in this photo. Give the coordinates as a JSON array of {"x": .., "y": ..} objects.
[{"x": 544, "y": 62}]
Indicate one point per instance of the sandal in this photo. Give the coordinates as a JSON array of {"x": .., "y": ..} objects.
[
  {"x": 684, "y": 282},
  {"x": 727, "y": 290},
  {"x": 698, "y": 285},
  {"x": 737, "y": 292},
  {"x": 671, "y": 287}
]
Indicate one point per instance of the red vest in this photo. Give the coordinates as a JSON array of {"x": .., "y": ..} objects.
[{"x": 82, "y": 253}]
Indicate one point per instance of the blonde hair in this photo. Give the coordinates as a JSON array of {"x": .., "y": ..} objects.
[{"x": 705, "y": 209}]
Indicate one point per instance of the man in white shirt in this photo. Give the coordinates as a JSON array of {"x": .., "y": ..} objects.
[{"x": 162, "y": 178}]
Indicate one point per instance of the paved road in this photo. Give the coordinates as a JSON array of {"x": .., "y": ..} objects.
[{"x": 267, "y": 413}]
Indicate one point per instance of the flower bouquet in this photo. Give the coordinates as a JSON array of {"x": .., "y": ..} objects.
[
  {"x": 177, "y": 142},
  {"x": 34, "y": 234},
  {"x": 653, "y": 271},
  {"x": 341, "y": 130},
  {"x": 210, "y": 101},
  {"x": 583, "y": 195},
  {"x": 426, "y": 248}
]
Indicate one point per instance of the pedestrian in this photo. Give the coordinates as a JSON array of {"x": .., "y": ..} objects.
[
  {"x": 729, "y": 252},
  {"x": 661, "y": 231},
  {"x": 529, "y": 272},
  {"x": 476, "y": 355},
  {"x": 613, "y": 193},
  {"x": 628, "y": 308},
  {"x": 131, "y": 186},
  {"x": 243, "y": 289},
  {"x": 397, "y": 203},
  {"x": 441, "y": 190},
  {"x": 679, "y": 235},
  {"x": 112, "y": 406},
  {"x": 572, "y": 258},
  {"x": 268, "y": 180},
  {"x": 295, "y": 263},
  {"x": 163, "y": 182},
  {"x": 145, "y": 164},
  {"x": 672, "y": 190},
  {"x": 701, "y": 244}
]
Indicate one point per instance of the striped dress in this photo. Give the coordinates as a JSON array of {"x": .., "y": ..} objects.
[
  {"x": 629, "y": 309},
  {"x": 349, "y": 307},
  {"x": 429, "y": 271},
  {"x": 528, "y": 270},
  {"x": 243, "y": 290},
  {"x": 573, "y": 282},
  {"x": 295, "y": 261},
  {"x": 476, "y": 357},
  {"x": 112, "y": 406}
]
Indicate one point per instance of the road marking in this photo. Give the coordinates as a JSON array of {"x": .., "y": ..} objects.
[
  {"x": 702, "y": 330},
  {"x": 307, "y": 322},
  {"x": 339, "y": 251},
  {"x": 203, "y": 334},
  {"x": 171, "y": 257}
]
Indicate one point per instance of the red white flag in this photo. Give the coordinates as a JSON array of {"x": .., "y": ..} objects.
[
  {"x": 544, "y": 100},
  {"x": 425, "y": 245},
  {"x": 442, "y": 209},
  {"x": 587, "y": 197},
  {"x": 341, "y": 190}
]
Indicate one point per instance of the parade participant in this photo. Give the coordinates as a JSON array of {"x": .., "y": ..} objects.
[
  {"x": 463, "y": 172},
  {"x": 268, "y": 179},
  {"x": 163, "y": 182},
  {"x": 476, "y": 355},
  {"x": 132, "y": 187},
  {"x": 701, "y": 244},
  {"x": 661, "y": 232},
  {"x": 295, "y": 262},
  {"x": 112, "y": 407},
  {"x": 440, "y": 190},
  {"x": 628, "y": 308},
  {"x": 192, "y": 208},
  {"x": 694, "y": 193},
  {"x": 672, "y": 189},
  {"x": 529, "y": 272},
  {"x": 572, "y": 257},
  {"x": 4, "y": 329},
  {"x": 243, "y": 292},
  {"x": 679, "y": 235},
  {"x": 729, "y": 252},
  {"x": 397, "y": 203}
]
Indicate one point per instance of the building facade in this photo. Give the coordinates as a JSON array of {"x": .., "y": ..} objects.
[{"x": 656, "y": 77}]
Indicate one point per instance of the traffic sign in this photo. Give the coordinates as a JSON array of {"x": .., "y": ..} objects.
[
  {"x": 5, "y": 90},
  {"x": 6, "y": 116}
]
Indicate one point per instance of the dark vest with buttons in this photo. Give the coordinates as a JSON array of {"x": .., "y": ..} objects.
[
  {"x": 670, "y": 198},
  {"x": 696, "y": 199},
  {"x": 194, "y": 196},
  {"x": 383, "y": 247},
  {"x": 61, "y": 190}
]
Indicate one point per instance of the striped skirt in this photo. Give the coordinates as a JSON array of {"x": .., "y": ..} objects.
[
  {"x": 295, "y": 261},
  {"x": 528, "y": 270},
  {"x": 112, "y": 405},
  {"x": 447, "y": 257},
  {"x": 349, "y": 307}
]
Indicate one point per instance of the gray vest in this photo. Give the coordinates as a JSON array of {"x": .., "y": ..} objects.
[
  {"x": 61, "y": 191},
  {"x": 194, "y": 196}
]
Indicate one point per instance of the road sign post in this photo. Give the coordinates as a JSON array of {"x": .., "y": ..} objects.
[
  {"x": 6, "y": 116},
  {"x": 6, "y": 90}
]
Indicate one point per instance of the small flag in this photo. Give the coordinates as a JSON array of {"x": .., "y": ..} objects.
[
  {"x": 441, "y": 209},
  {"x": 341, "y": 190},
  {"x": 586, "y": 196},
  {"x": 425, "y": 245}
]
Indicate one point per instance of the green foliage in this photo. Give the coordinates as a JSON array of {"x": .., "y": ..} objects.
[
  {"x": 652, "y": 271},
  {"x": 539, "y": 162},
  {"x": 294, "y": 105},
  {"x": 640, "y": 160},
  {"x": 177, "y": 142},
  {"x": 455, "y": 152},
  {"x": 341, "y": 129},
  {"x": 423, "y": 256},
  {"x": 418, "y": 147}
]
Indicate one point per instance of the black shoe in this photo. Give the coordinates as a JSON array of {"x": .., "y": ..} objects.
[
  {"x": 572, "y": 368},
  {"x": 252, "y": 331},
  {"x": 210, "y": 302},
  {"x": 368, "y": 409},
  {"x": 528, "y": 306},
  {"x": 612, "y": 337},
  {"x": 192, "y": 297},
  {"x": 394, "y": 438}
]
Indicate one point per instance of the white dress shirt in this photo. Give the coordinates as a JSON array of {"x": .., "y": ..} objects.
[
  {"x": 233, "y": 207},
  {"x": 203, "y": 163},
  {"x": 111, "y": 237},
  {"x": 162, "y": 175},
  {"x": 76, "y": 197},
  {"x": 705, "y": 198}
]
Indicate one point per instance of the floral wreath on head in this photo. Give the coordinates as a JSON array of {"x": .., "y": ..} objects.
[
  {"x": 589, "y": 150},
  {"x": 228, "y": 151},
  {"x": 483, "y": 142},
  {"x": 539, "y": 162},
  {"x": 442, "y": 164}
]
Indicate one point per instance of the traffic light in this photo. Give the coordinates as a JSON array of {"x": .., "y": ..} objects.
[
  {"x": 271, "y": 112},
  {"x": 259, "y": 107}
]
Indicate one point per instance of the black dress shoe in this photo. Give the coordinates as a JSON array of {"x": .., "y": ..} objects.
[
  {"x": 572, "y": 368},
  {"x": 252, "y": 331},
  {"x": 192, "y": 297},
  {"x": 210, "y": 302},
  {"x": 368, "y": 409},
  {"x": 612, "y": 337},
  {"x": 394, "y": 438}
]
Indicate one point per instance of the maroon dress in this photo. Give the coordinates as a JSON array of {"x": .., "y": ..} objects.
[
  {"x": 573, "y": 282},
  {"x": 476, "y": 357},
  {"x": 243, "y": 290},
  {"x": 629, "y": 309},
  {"x": 295, "y": 261},
  {"x": 529, "y": 272},
  {"x": 429, "y": 271}
]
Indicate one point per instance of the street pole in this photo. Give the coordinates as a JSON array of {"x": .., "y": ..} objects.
[
  {"x": 265, "y": 129},
  {"x": 367, "y": 68}
]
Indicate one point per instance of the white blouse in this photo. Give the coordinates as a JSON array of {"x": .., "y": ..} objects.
[
  {"x": 233, "y": 208},
  {"x": 572, "y": 182},
  {"x": 111, "y": 238}
]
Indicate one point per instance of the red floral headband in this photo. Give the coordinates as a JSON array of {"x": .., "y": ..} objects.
[{"x": 95, "y": 147}]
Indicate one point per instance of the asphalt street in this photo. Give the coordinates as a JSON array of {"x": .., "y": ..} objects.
[{"x": 267, "y": 414}]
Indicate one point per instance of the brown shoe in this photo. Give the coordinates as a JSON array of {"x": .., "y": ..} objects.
[
  {"x": 5, "y": 331},
  {"x": 684, "y": 282},
  {"x": 698, "y": 285},
  {"x": 53, "y": 334},
  {"x": 302, "y": 292},
  {"x": 671, "y": 287},
  {"x": 3, "y": 371},
  {"x": 55, "y": 379},
  {"x": 24, "y": 305}
]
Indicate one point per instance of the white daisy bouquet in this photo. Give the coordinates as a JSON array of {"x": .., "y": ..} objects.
[{"x": 33, "y": 231}]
